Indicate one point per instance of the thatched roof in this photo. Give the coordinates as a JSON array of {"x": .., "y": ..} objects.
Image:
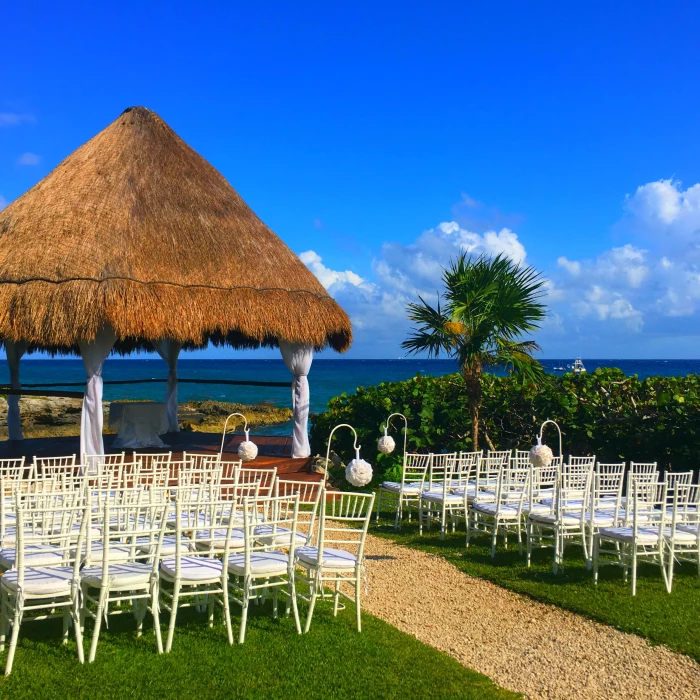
[{"x": 137, "y": 230}]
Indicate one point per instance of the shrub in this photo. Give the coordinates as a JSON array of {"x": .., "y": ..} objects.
[{"x": 605, "y": 413}]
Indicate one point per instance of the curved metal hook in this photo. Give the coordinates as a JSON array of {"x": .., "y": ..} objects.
[
  {"x": 328, "y": 450},
  {"x": 405, "y": 432},
  {"x": 539, "y": 437},
  {"x": 245, "y": 429}
]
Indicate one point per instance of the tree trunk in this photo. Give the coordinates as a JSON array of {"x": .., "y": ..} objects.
[{"x": 472, "y": 381}]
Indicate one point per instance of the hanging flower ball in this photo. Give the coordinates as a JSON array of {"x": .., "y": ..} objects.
[
  {"x": 358, "y": 472},
  {"x": 247, "y": 450},
  {"x": 386, "y": 444},
  {"x": 541, "y": 455}
]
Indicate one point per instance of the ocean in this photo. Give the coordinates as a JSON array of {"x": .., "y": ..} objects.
[{"x": 327, "y": 378}]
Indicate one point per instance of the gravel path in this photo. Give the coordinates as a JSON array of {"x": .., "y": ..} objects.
[{"x": 539, "y": 650}]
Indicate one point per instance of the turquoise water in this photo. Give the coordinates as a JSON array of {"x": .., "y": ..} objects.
[{"x": 327, "y": 378}]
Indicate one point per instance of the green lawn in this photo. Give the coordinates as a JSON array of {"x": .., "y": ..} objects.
[
  {"x": 653, "y": 613},
  {"x": 332, "y": 661}
]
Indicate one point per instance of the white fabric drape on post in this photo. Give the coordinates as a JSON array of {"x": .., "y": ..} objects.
[
  {"x": 169, "y": 350},
  {"x": 298, "y": 359},
  {"x": 94, "y": 354},
  {"x": 14, "y": 352}
]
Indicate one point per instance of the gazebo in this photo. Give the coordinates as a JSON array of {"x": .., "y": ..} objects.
[{"x": 135, "y": 242}]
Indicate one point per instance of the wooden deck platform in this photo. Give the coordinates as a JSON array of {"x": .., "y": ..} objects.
[{"x": 273, "y": 451}]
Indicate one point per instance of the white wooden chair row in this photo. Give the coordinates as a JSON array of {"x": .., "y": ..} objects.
[{"x": 78, "y": 561}]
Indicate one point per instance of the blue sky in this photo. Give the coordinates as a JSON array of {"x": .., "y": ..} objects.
[{"x": 379, "y": 139}]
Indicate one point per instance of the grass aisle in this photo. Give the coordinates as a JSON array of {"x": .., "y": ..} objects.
[
  {"x": 652, "y": 613},
  {"x": 332, "y": 661}
]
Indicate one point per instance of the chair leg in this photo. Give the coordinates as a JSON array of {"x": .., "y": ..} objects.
[
  {"x": 13, "y": 639},
  {"x": 336, "y": 597},
  {"x": 155, "y": 607},
  {"x": 399, "y": 513},
  {"x": 227, "y": 615},
  {"x": 420, "y": 517},
  {"x": 210, "y": 611},
  {"x": 634, "y": 568},
  {"x": 245, "y": 597},
  {"x": 494, "y": 537},
  {"x": 358, "y": 607},
  {"x": 101, "y": 605},
  {"x": 668, "y": 573},
  {"x": 379, "y": 503},
  {"x": 596, "y": 554},
  {"x": 528, "y": 541},
  {"x": 75, "y": 612},
  {"x": 173, "y": 617},
  {"x": 295, "y": 606},
  {"x": 4, "y": 620},
  {"x": 443, "y": 523},
  {"x": 312, "y": 603}
]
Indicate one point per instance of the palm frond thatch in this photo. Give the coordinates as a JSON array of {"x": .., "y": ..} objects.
[{"x": 137, "y": 230}]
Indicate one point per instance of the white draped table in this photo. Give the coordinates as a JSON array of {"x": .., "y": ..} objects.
[{"x": 138, "y": 424}]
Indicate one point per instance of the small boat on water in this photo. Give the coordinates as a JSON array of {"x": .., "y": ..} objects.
[{"x": 578, "y": 367}]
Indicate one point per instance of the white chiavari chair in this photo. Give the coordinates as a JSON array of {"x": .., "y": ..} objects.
[
  {"x": 638, "y": 534},
  {"x": 263, "y": 566},
  {"x": 502, "y": 455},
  {"x": 605, "y": 501},
  {"x": 640, "y": 471},
  {"x": 96, "y": 465},
  {"x": 438, "y": 502},
  {"x": 36, "y": 589},
  {"x": 407, "y": 491},
  {"x": 681, "y": 540},
  {"x": 566, "y": 519},
  {"x": 53, "y": 466},
  {"x": 339, "y": 556},
  {"x": 309, "y": 493},
  {"x": 12, "y": 469},
  {"x": 123, "y": 571},
  {"x": 503, "y": 515},
  {"x": 193, "y": 574}
]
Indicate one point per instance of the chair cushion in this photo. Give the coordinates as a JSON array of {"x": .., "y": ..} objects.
[
  {"x": 506, "y": 512},
  {"x": 647, "y": 534},
  {"x": 282, "y": 536},
  {"x": 114, "y": 552},
  {"x": 10, "y": 537},
  {"x": 204, "y": 539},
  {"x": 437, "y": 496},
  {"x": 459, "y": 491},
  {"x": 41, "y": 582},
  {"x": 122, "y": 575},
  {"x": 261, "y": 563},
  {"x": 395, "y": 487},
  {"x": 192, "y": 569},
  {"x": 551, "y": 518},
  {"x": 167, "y": 548},
  {"x": 332, "y": 558},
  {"x": 35, "y": 555}
]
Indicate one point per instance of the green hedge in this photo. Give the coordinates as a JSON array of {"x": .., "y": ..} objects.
[{"x": 605, "y": 413}]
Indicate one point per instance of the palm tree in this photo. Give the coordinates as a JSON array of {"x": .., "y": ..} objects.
[{"x": 490, "y": 303}]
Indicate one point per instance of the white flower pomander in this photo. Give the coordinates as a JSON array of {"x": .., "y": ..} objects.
[
  {"x": 541, "y": 455},
  {"x": 247, "y": 450},
  {"x": 386, "y": 444},
  {"x": 358, "y": 472}
]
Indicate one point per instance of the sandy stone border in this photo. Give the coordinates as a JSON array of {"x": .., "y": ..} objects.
[{"x": 526, "y": 646}]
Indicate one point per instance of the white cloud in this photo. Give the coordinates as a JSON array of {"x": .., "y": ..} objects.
[
  {"x": 664, "y": 211},
  {"x": 14, "y": 119},
  {"x": 3, "y": 202},
  {"x": 625, "y": 298},
  {"x": 28, "y": 159},
  {"x": 332, "y": 279}
]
